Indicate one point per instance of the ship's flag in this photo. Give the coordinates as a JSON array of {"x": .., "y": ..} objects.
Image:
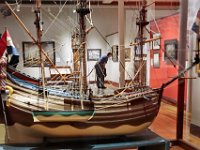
[
  {"x": 3, "y": 44},
  {"x": 10, "y": 46},
  {"x": 12, "y": 50},
  {"x": 7, "y": 43}
]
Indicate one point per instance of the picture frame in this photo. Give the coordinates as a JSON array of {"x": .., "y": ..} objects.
[
  {"x": 31, "y": 53},
  {"x": 198, "y": 65},
  {"x": 127, "y": 52},
  {"x": 93, "y": 54},
  {"x": 137, "y": 49},
  {"x": 115, "y": 50},
  {"x": 198, "y": 46},
  {"x": 171, "y": 48},
  {"x": 156, "y": 60},
  {"x": 156, "y": 42},
  {"x": 198, "y": 68}
]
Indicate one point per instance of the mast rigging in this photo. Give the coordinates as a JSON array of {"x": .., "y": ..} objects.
[
  {"x": 141, "y": 23},
  {"x": 39, "y": 36}
]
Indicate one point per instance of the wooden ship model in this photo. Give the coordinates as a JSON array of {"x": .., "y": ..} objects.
[{"x": 33, "y": 111}]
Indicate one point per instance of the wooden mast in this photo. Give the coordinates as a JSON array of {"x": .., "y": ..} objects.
[
  {"x": 141, "y": 24},
  {"x": 39, "y": 35},
  {"x": 82, "y": 10},
  {"x": 75, "y": 50}
]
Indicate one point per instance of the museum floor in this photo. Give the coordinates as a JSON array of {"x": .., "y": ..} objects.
[{"x": 164, "y": 125}]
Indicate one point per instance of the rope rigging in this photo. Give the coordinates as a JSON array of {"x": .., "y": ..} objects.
[
  {"x": 55, "y": 17},
  {"x": 89, "y": 18}
]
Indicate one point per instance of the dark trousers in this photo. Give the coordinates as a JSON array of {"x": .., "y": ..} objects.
[{"x": 100, "y": 73}]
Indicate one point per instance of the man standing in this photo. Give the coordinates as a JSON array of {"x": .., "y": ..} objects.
[{"x": 101, "y": 70}]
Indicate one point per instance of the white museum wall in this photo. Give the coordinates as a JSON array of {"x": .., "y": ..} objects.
[
  {"x": 105, "y": 24},
  {"x": 113, "y": 67}
]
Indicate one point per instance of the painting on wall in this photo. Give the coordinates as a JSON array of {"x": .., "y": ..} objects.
[
  {"x": 156, "y": 60},
  {"x": 138, "y": 49},
  {"x": 198, "y": 66},
  {"x": 93, "y": 54},
  {"x": 156, "y": 41},
  {"x": 115, "y": 53},
  {"x": 171, "y": 47},
  {"x": 31, "y": 53},
  {"x": 199, "y": 42},
  {"x": 127, "y": 54}
]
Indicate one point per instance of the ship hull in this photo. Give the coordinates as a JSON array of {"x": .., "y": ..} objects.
[
  {"x": 118, "y": 117},
  {"x": 29, "y": 117}
]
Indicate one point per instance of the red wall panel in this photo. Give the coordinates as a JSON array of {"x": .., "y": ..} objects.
[{"x": 169, "y": 30}]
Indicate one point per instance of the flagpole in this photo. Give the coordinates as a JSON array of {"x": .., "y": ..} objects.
[{"x": 35, "y": 41}]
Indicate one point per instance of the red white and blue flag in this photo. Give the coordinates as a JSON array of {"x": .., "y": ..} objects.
[
  {"x": 7, "y": 43},
  {"x": 10, "y": 46}
]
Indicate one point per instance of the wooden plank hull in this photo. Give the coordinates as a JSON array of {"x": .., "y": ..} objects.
[
  {"x": 19, "y": 132},
  {"x": 30, "y": 117},
  {"x": 113, "y": 117}
]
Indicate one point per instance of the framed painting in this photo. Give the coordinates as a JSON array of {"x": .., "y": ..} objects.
[
  {"x": 156, "y": 41},
  {"x": 156, "y": 60},
  {"x": 127, "y": 54},
  {"x": 138, "y": 50},
  {"x": 198, "y": 46},
  {"x": 198, "y": 66},
  {"x": 115, "y": 53},
  {"x": 171, "y": 48},
  {"x": 93, "y": 54},
  {"x": 31, "y": 53}
]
